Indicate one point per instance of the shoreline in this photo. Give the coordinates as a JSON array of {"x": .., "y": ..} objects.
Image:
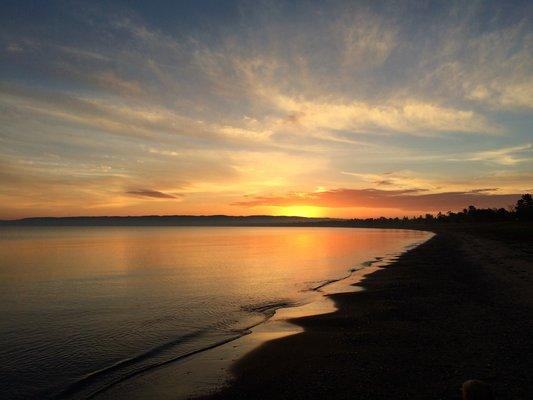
[
  {"x": 439, "y": 315},
  {"x": 209, "y": 370}
]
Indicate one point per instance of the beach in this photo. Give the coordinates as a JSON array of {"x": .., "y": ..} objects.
[{"x": 457, "y": 307}]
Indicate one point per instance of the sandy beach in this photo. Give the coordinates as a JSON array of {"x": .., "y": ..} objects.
[{"x": 457, "y": 307}]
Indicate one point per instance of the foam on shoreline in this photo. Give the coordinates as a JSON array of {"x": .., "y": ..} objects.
[{"x": 82, "y": 386}]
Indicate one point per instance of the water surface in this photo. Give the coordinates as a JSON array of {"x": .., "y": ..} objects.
[{"x": 83, "y": 308}]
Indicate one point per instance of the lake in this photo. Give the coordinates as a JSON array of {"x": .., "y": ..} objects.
[{"x": 83, "y": 308}]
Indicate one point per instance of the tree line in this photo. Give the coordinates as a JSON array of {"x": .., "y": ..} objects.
[{"x": 521, "y": 211}]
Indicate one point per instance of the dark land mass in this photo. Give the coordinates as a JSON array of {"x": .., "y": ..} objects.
[
  {"x": 170, "y": 220},
  {"x": 506, "y": 229},
  {"x": 457, "y": 307}
]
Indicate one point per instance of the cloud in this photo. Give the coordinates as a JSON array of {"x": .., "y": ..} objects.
[
  {"x": 151, "y": 193},
  {"x": 504, "y": 156},
  {"x": 133, "y": 118},
  {"x": 503, "y": 181},
  {"x": 408, "y": 200},
  {"x": 492, "y": 67},
  {"x": 119, "y": 118},
  {"x": 109, "y": 79},
  {"x": 401, "y": 180},
  {"x": 405, "y": 116},
  {"x": 367, "y": 40},
  {"x": 484, "y": 190}
]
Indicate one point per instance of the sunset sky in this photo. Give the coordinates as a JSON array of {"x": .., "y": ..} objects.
[{"x": 342, "y": 109}]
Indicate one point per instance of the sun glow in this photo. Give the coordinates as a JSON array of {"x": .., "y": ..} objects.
[{"x": 301, "y": 211}]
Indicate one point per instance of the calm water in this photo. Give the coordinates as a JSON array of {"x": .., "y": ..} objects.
[{"x": 82, "y": 308}]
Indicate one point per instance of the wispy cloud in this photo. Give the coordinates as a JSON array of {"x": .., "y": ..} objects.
[
  {"x": 408, "y": 116},
  {"x": 499, "y": 182},
  {"x": 492, "y": 68},
  {"x": 504, "y": 156},
  {"x": 400, "y": 180},
  {"x": 151, "y": 194}
]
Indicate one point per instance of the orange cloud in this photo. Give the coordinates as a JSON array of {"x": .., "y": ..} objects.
[{"x": 412, "y": 199}]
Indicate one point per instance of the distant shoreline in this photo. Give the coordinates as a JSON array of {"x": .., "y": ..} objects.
[
  {"x": 170, "y": 220},
  {"x": 482, "y": 227}
]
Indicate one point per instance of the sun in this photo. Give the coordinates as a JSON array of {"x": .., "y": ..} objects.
[{"x": 300, "y": 211}]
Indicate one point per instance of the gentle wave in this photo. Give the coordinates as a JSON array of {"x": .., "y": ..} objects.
[
  {"x": 364, "y": 264},
  {"x": 92, "y": 377},
  {"x": 268, "y": 309}
]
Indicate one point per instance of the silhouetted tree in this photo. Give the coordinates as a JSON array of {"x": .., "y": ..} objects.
[{"x": 524, "y": 208}]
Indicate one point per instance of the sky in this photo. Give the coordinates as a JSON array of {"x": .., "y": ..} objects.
[{"x": 326, "y": 108}]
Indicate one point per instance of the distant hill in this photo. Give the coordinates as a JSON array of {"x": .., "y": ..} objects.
[{"x": 170, "y": 220}]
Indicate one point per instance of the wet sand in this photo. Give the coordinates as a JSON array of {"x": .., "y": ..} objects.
[{"x": 457, "y": 307}]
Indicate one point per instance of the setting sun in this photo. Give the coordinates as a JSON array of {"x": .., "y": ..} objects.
[{"x": 301, "y": 211}]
